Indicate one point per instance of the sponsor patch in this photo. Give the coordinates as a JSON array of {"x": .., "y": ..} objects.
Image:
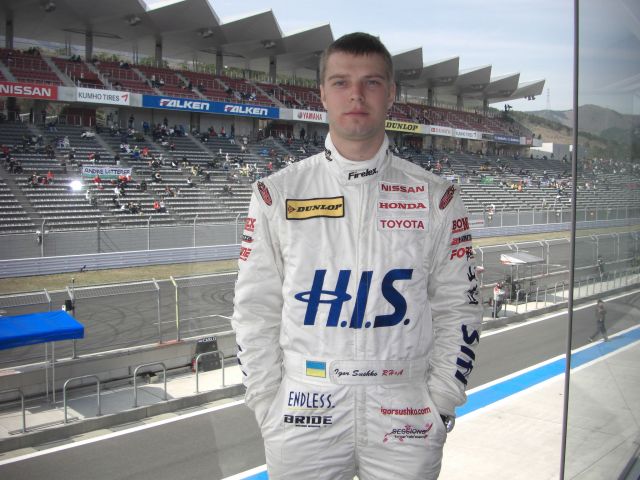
[
  {"x": 460, "y": 225},
  {"x": 462, "y": 252},
  {"x": 264, "y": 193},
  {"x": 397, "y": 187},
  {"x": 401, "y": 206},
  {"x": 447, "y": 197},
  {"x": 408, "y": 432},
  {"x": 309, "y": 421},
  {"x": 309, "y": 400},
  {"x": 401, "y": 224},
  {"x": 247, "y": 238},
  {"x": 249, "y": 224},
  {"x": 244, "y": 253},
  {"x": 408, "y": 411},
  {"x": 362, "y": 173},
  {"x": 461, "y": 239},
  {"x": 315, "y": 207},
  {"x": 316, "y": 369},
  {"x": 327, "y": 154}
]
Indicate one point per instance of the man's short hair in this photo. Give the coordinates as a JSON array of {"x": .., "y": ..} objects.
[{"x": 357, "y": 43}]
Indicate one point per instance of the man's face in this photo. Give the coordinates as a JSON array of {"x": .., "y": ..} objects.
[{"x": 357, "y": 94}]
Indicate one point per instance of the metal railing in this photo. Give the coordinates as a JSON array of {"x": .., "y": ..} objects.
[
  {"x": 197, "y": 362},
  {"x": 135, "y": 380},
  {"x": 64, "y": 393},
  {"x": 24, "y": 415}
]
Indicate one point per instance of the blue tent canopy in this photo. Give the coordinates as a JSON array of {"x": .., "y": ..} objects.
[{"x": 21, "y": 330}]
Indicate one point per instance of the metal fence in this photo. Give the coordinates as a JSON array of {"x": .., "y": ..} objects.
[{"x": 196, "y": 234}]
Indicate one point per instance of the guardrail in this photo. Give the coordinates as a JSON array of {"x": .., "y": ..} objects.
[
  {"x": 135, "y": 380},
  {"x": 64, "y": 394},
  {"x": 197, "y": 362},
  {"x": 24, "y": 415}
]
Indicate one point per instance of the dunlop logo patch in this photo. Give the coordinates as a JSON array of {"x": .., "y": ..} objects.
[{"x": 315, "y": 207}]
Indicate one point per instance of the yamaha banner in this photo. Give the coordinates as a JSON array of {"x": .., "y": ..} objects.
[{"x": 206, "y": 106}]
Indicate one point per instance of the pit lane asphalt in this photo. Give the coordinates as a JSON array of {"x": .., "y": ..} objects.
[{"x": 214, "y": 445}]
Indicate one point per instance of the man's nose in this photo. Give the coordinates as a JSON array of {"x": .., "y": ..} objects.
[{"x": 357, "y": 91}]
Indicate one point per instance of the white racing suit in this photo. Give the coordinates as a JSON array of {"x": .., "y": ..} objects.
[{"x": 356, "y": 316}]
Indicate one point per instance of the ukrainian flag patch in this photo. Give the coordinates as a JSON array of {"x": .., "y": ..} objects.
[{"x": 316, "y": 369}]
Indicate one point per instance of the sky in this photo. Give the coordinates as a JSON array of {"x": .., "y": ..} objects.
[{"x": 532, "y": 37}]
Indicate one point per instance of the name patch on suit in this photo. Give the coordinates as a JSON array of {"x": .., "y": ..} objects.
[{"x": 332, "y": 207}]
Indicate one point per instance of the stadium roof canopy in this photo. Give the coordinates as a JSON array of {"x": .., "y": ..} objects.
[{"x": 190, "y": 30}]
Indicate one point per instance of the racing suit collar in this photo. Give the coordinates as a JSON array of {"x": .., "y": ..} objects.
[{"x": 352, "y": 172}]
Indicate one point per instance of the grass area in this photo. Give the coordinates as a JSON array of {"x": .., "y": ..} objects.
[{"x": 163, "y": 272}]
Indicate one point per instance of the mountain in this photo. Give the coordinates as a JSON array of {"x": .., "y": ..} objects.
[{"x": 592, "y": 119}]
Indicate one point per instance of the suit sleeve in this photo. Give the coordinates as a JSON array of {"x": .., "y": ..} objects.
[
  {"x": 258, "y": 307},
  {"x": 455, "y": 302}
]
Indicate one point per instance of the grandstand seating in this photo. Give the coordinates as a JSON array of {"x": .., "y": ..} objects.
[
  {"x": 27, "y": 67},
  {"x": 81, "y": 75},
  {"x": 124, "y": 78},
  {"x": 483, "y": 180}
]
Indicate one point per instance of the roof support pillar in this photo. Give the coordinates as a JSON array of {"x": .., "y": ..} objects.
[
  {"x": 430, "y": 96},
  {"x": 159, "y": 62},
  {"x": 485, "y": 104},
  {"x": 8, "y": 36},
  {"x": 219, "y": 62},
  {"x": 459, "y": 103},
  {"x": 273, "y": 69},
  {"x": 88, "y": 45}
]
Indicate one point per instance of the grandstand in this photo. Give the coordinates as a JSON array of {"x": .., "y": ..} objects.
[{"x": 161, "y": 117}]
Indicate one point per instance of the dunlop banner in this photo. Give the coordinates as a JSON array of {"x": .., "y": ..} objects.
[{"x": 401, "y": 126}]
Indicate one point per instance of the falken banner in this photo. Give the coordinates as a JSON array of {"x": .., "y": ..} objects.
[
  {"x": 96, "y": 95},
  {"x": 206, "y": 106}
]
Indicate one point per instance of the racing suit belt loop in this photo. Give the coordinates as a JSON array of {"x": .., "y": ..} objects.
[{"x": 354, "y": 372}]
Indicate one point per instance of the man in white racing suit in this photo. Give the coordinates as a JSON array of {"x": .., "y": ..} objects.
[{"x": 357, "y": 306}]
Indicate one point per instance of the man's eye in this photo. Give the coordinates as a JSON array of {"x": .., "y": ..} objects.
[{"x": 339, "y": 83}]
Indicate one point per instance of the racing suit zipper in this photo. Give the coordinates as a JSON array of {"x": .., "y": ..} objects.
[{"x": 360, "y": 393}]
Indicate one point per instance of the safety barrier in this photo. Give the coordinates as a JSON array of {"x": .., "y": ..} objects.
[
  {"x": 197, "y": 362},
  {"x": 135, "y": 380},
  {"x": 64, "y": 393},
  {"x": 24, "y": 415}
]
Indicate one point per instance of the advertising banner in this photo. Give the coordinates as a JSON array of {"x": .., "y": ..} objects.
[
  {"x": 28, "y": 90},
  {"x": 309, "y": 116},
  {"x": 206, "y": 106},
  {"x": 397, "y": 126},
  {"x": 105, "y": 173},
  {"x": 506, "y": 139},
  {"x": 438, "y": 130},
  {"x": 96, "y": 95},
  {"x": 470, "y": 134}
]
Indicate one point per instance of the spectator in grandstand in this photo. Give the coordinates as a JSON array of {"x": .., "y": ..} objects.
[
  {"x": 156, "y": 177},
  {"x": 87, "y": 134},
  {"x": 414, "y": 304},
  {"x": 227, "y": 190},
  {"x": 168, "y": 191},
  {"x": 50, "y": 176},
  {"x": 190, "y": 183},
  {"x": 223, "y": 133}
]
